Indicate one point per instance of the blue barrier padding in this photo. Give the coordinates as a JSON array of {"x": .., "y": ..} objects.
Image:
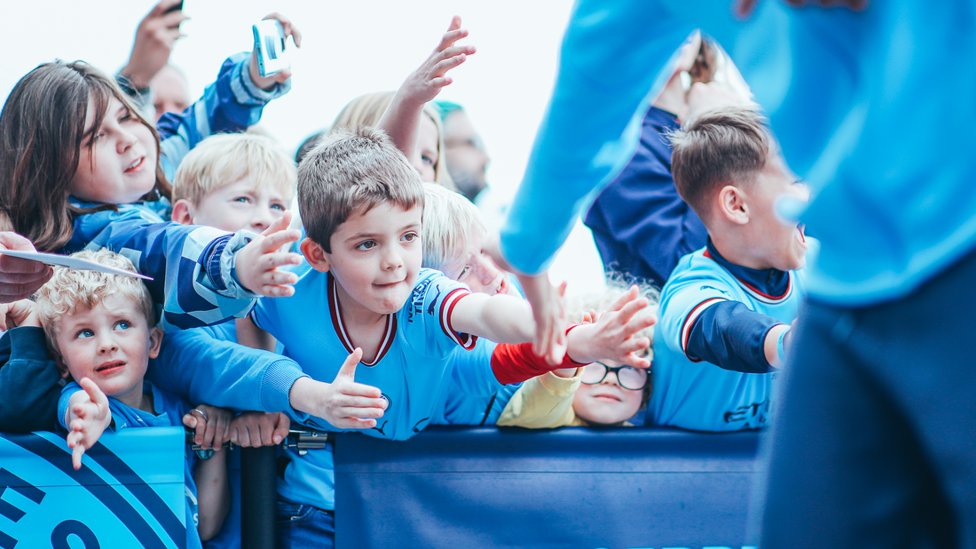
[
  {"x": 128, "y": 493},
  {"x": 488, "y": 487}
]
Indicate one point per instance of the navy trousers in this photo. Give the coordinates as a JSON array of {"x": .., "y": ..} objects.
[{"x": 874, "y": 440}]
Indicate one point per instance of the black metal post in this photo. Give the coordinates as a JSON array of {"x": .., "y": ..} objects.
[{"x": 258, "y": 496}]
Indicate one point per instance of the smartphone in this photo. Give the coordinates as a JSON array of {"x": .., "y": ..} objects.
[
  {"x": 177, "y": 7},
  {"x": 269, "y": 43}
]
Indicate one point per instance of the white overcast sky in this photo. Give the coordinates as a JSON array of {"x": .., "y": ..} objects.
[{"x": 349, "y": 48}]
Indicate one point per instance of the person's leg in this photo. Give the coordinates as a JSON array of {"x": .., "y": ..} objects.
[
  {"x": 301, "y": 526},
  {"x": 874, "y": 442}
]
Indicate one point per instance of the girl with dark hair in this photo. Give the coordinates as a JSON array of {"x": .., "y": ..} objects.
[{"x": 80, "y": 167}]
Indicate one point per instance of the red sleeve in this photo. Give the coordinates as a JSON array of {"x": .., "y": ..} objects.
[{"x": 517, "y": 363}]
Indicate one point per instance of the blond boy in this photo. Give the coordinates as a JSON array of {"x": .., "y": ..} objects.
[
  {"x": 101, "y": 329},
  {"x": 234, "y": 181}
]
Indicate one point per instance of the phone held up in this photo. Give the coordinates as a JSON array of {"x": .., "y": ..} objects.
[{"x": 269, "y": 43}]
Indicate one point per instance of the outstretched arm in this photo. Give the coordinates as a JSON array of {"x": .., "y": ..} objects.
[
  {"x": 343, "y": 403},
  {"x": 500, "y": 318},
  {"x": 612, "y": 335},
  {"x": 88, "y": 416},
  {"x": 402, "y": 118}
]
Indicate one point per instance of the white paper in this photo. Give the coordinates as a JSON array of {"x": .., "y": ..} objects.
[{"x": 70, "y": 262}]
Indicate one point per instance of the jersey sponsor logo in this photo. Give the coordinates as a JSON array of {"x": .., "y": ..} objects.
[
  {"x": 750, "y": 415},
  {"x": 417, "y": 298},
  {"x": 128, "y": 493}
]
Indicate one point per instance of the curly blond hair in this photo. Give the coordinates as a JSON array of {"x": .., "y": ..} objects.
[
  {"x": 617, "y": 286},
  {"x": 70, "y": 290}
]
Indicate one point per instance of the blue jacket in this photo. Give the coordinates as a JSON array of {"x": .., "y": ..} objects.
[
  {"x": 640, "y": 225},
  {"x": 194, "y": 278},
  {"x": 30, "y": 382}
]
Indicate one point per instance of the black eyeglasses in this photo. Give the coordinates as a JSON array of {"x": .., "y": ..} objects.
[{"x": 630, "y": 378}]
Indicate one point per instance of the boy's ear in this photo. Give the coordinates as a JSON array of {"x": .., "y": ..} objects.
[
  {"x": 732, "y": 205},
  {"x": 315, "y": 255},
  {"x": 183, "y": 212},
  {"x": 155, "y": 340}
]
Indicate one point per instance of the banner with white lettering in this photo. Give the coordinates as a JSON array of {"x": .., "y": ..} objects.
[{"x": 128, "y": 493}]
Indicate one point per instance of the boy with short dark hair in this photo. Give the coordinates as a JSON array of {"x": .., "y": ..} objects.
[
  {"x": 368, "y": 298},
  {"x": 726, "y": 309}
]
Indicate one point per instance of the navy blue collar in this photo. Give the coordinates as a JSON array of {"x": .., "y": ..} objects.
[{"x": 766, "y": 284}]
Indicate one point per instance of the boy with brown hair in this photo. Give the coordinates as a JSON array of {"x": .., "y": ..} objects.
[
  {"x": 726, "y": 309},
  {"x": 368, "y": 299}
]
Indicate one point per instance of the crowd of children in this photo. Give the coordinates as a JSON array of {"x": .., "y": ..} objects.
[{"x": 376, "y": 306}]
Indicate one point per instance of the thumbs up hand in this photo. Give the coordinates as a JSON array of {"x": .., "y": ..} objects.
[{"x": 343, "y": 403}]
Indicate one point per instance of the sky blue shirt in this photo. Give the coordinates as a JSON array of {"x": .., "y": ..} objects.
[
  {"x": 848, "y": 95},
  {"x": 412, "y": 368},
  {"x": 700, "y": 395},
  {"x": 169, "y": 411}
]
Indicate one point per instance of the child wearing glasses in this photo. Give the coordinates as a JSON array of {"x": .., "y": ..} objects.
[{"x": 605, "y": 393}]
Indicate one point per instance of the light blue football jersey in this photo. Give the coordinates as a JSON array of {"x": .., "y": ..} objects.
[
  {"x": 700, "y": 395},
  {"x": 412, "y": 368}
]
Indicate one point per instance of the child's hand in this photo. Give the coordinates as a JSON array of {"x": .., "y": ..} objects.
[
  {"x": 19, "y": 278},
  {"x": 268, "y": 82},
  {"x": 258, "y": 262},
  {"x": 254, "y": 429},
  {"x": 88, "y": 416},
  {"x": 343, "y": 403},
  {"x": 426, "y": 82},
  {"x": 612, "y": 335},
  {"x": 18, "y": 313},
  {"x": 212, "y": 425}
]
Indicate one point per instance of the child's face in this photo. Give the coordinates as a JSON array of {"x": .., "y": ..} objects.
[
  {"x": 608, "y": 402},
  {"x": 110, "y": 343},
  {"x": 243, "y": 204},
  {"x": 118, "y": 165},
  {"x": 479, "y": 271},
  {"x": 426, "y": 157},
  {"x": 376, "y": 257},
  {"x": 778, "y": 245}
]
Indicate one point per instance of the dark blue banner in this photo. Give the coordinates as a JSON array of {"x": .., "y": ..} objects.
[
  {"x": 483, "y": 488},
  {"x": 129, "y": 492}
]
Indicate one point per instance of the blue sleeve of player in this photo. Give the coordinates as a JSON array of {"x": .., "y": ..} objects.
[
  {"x": 231, "y": 104},
  {"x": 208, "y": 370},
  {"x": 192, "y": 267},
  {"x": 425, "y": 321},
  {"x": 731, "y": 336}
]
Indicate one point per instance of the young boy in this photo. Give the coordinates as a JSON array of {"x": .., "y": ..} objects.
[
  {"x": 727, "y": 308},
  {"x": 233, "y": 182},
  {"x": 101, "y": 329},
  {"x": 367, "y": 297},
  {"x": 454, "y": 236}
]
